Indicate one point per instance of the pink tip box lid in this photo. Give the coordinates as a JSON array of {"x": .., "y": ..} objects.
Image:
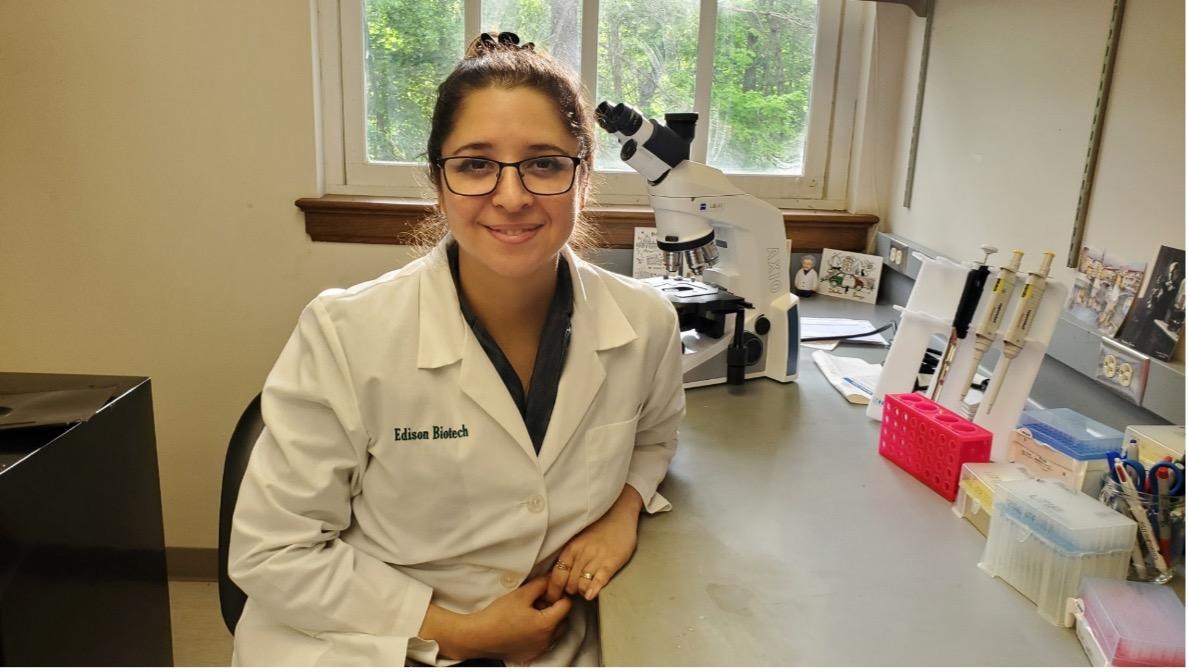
[{"x": 1136, "y": 624}]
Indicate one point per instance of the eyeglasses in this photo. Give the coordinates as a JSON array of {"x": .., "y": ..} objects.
[{"x": 479, "y": 176}]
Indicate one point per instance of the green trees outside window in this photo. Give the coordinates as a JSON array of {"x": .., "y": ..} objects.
[{"x": 647, "y": 56}]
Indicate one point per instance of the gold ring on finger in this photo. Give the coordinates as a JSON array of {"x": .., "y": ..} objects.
[
  {"x": 561, "y": 566},
  {"x": 588, "y": 576}
]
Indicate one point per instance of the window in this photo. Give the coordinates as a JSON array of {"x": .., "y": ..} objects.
[{"x": 775, "y": 108}]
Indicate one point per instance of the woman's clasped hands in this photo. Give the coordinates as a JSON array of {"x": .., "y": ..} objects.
[
  {"x": 517, "y": 627},
  {"x": 527, "y": 622}
]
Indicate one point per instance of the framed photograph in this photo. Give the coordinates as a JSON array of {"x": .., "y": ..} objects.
[
  {"x": 1155, "y": 320},
  {"x": 850, "y": 275}
]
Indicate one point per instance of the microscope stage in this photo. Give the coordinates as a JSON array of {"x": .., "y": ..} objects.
[{"x": 687, "y": 290}]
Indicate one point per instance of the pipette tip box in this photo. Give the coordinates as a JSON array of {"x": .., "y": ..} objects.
[
  {"x": 1129, "y": 624},
  {"x": 1071, "y": 433},
  {"x": 1045, "y": 537},
  {"x": 930, "y": 442},
  {"x": 1155, "y": 442},
  {"x": 1062, "y": 444},
  {"x": 975, "y": 491}
]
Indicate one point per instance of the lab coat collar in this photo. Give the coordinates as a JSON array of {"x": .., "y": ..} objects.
[
  {"x": 598, "y": 324},
  {"x": 443, "y": 330},
  {"x": 599, "y": 310},
  {"x": 442, "y": 327}
]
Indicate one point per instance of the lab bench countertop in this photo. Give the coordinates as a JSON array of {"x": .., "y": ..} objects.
[{"x": 793, "y": 542}]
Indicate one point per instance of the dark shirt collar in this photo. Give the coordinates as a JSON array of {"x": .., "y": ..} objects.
[
  {"x": 562, "y": 302},
  {"x": 536, "y": 407}
]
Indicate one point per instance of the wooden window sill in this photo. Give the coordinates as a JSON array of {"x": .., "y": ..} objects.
[{"x": 380, "y": 220}]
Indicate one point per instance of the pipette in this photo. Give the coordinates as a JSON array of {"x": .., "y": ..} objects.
[
  {"x": 971, "y": 294},
  {"x": 1021, "y": 322},
  {"x": 1000, "y": 295}
]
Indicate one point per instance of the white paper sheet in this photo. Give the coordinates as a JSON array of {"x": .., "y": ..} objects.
[
  {"x": 813, "y": 327},
  {"x": 855, "y": 378}
]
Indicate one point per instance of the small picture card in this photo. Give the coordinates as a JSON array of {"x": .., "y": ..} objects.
[
  {"x": 646, "y": 259},
  {"x": 1104, "y": 290},
  {"x": 850, "y": 275},
  {"x": 1157, "y": 317}
]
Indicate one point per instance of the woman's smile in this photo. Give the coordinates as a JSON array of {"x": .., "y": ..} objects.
[{"x": 513, "y": 234}]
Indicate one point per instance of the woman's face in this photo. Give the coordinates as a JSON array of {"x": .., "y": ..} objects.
[{"x": 511, "y": 232}]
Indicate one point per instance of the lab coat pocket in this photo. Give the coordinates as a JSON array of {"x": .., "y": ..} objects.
[{"x": 608, "y": 455}]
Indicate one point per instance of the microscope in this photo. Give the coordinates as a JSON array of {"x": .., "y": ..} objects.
[{"x": 737, "y": 316}]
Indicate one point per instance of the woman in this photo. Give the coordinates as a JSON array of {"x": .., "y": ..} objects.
[{"x": 456, "y": 453}]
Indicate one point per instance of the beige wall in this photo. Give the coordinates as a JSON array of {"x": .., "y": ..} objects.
[
  {"x": 1007, "y": 114},
  {"x": 150, "y": 154},
  {"x": 151, "y": 150}
]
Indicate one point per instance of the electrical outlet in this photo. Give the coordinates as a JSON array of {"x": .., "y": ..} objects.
[
  {"x": 897, "y": 257},
  {"x": 1122, "y": 369}
]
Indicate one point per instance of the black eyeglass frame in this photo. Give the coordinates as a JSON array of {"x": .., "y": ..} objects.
[{"x": 577, "y": 161}]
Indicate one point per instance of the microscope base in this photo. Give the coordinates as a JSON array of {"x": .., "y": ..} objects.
[{"x": 704, "y": 358}]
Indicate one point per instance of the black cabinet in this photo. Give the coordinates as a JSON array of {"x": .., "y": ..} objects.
[{"x": 82, "y": 549}]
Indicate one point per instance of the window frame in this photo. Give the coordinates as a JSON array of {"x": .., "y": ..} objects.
[{"x": 344, "y": 169}]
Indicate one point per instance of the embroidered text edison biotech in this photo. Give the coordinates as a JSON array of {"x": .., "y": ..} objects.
[{"x": 410, "y": 434}]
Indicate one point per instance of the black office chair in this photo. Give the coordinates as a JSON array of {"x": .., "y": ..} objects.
[{"x": 239, "y": 449}]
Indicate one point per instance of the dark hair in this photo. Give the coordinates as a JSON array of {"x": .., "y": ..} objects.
[{"x": 499, "y": 60}]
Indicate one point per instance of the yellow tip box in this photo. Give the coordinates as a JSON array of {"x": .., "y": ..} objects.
[{"x": 975, "y": 490}]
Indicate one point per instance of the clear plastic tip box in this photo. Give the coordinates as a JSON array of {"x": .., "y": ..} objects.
[{"x": 1045, "y": 537}]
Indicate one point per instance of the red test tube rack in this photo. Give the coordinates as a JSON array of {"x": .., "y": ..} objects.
[{"x": 930, "y": 442}]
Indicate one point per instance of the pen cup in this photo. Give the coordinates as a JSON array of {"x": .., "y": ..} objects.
[{"x": 1165, "y": 516}]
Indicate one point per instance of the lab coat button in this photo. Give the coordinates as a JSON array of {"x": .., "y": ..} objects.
[
  {"x": 509, "y": 580},
  {"x": 536, "y": 504}
]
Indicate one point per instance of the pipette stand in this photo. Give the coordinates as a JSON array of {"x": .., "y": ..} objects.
[
  {"x": 1017, "y": 382},
  {"x": 929, "y": 312}
]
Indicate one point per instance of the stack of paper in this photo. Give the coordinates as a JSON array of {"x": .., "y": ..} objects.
[{"x": 855, "y": 378}]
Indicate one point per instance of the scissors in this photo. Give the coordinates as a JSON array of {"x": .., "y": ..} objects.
[{"x": 1147, "y": 481}]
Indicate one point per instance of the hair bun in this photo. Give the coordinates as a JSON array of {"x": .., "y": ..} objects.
[{"x": 492, "y": 42}]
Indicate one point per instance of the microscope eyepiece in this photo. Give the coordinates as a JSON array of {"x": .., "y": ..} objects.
[
  {"x": 683, "y": 124},
  {"x": 621, "y": 118}
]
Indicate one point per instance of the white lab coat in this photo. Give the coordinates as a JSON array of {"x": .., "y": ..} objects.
[{"x": 343, "y": 535}]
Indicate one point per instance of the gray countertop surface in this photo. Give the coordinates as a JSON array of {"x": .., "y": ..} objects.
[{"x": 793, "y": 542}]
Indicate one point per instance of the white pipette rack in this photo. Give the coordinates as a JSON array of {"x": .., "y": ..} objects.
[{"x": 929, "y": 312}]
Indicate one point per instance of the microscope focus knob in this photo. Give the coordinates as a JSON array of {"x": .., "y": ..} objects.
[
  {"x": 754, "y": 348},
  {"x": 762, "y": 325},
  {"x": 741, "y": 356},
  {"x": 628, "y": 150}
]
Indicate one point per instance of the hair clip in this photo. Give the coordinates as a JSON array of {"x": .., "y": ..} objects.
[{"x": 505, "y": 41}]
